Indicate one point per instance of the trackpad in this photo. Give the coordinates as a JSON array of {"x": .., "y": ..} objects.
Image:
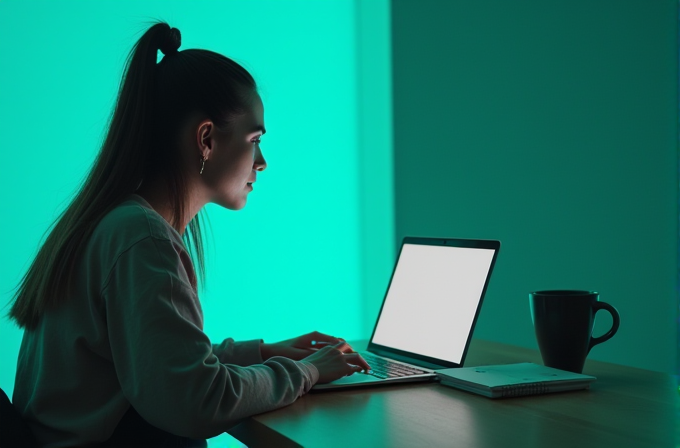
[{"x": 357, "y": 378}]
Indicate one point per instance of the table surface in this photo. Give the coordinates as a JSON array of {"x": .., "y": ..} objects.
[{"x": 625, "y": 407}]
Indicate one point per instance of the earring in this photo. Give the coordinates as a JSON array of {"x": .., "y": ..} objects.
[{"x": 202, "y": 165}]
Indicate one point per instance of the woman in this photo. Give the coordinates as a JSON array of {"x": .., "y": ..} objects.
[{"x": 114, "y": 350}]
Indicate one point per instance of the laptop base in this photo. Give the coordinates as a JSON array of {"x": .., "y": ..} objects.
[{"x": 365, "y": 380}]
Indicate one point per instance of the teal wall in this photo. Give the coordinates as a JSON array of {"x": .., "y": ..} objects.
[
  {"x": 293, "y": 260},
  {"x": 552, "y": 126}
]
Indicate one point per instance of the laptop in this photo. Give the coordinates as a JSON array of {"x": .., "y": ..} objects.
[{"x": 428, "y": 313}]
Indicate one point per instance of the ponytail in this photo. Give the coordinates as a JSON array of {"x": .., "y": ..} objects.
[{"x": 153, "y": 99}]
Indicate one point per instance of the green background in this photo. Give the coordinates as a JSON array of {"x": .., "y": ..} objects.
[{"x": 550, "y": 125}]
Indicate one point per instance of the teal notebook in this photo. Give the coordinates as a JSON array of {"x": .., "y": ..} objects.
[{"x": 513, "y": 380}]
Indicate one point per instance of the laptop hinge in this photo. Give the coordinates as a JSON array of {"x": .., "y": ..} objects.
[{"x": 410, "y": 360}]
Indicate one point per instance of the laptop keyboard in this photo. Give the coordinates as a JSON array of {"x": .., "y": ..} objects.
[{"x": 384, "y": 368}]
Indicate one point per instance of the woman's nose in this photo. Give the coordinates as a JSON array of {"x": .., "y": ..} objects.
[{"x": 260, "y": 165}]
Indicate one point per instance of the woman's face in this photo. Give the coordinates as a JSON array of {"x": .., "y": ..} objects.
[{"x": 235, "y": 157}]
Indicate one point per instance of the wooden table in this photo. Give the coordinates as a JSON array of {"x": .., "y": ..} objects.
[{"x": 625, "y": 407}]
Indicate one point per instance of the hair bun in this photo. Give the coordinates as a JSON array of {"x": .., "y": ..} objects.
[{"x": 171, "y": 42}]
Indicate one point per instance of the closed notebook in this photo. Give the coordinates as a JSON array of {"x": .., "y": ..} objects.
[{"x": 513, "y": 380}]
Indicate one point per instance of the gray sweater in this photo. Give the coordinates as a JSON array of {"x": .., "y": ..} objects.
[{"x": 131, "y": 334}]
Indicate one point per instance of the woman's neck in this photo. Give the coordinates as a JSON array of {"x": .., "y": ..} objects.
[{"x": 155, "y": 192}]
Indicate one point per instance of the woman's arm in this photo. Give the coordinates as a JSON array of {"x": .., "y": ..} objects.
[
  {"x": 165, "y": 363},
  {"x": 242, "y": 353}
]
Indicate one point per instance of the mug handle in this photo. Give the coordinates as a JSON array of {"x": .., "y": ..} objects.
[{"x": 597, "y": 306}]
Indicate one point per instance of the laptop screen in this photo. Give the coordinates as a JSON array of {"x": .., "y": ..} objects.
[{"x": 432, "y": 301}]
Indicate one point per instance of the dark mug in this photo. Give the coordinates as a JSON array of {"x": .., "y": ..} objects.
[{"x": 563, "y": 321}]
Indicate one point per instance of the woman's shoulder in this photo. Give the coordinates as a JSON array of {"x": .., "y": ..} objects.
[
  {"x": 133, "y": 230},
  {"x": 132, "y": 221}
]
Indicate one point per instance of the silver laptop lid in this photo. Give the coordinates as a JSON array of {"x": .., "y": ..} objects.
[{"x": 433, "y": 300}]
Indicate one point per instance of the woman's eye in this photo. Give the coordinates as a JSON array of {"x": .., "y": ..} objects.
[{"x": 257, "y": 140}]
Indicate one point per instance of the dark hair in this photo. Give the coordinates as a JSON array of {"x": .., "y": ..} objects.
[{"x": 154, "y": 100}]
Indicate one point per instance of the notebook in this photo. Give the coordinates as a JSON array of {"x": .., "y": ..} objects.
[
  {"x": 428, "y": 313},
  {"x": 513, "y": 380}
]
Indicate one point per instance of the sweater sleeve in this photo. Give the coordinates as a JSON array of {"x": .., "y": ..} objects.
[
  {"x": 242, "y": 353},
  {"x": 166, "y": 365}
]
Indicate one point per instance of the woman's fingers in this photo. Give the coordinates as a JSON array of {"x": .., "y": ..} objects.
[
  {"x": 336, "y": 361},
  {"x": 344, "y": 347},
  {"x": 356, "y": 360},
  {"x": 352, "y": 357},
  {"x": 354, "y": 369},
  {"x": 320, "y": 340}
]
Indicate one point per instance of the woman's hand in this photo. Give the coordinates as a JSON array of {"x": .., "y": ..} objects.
[
  {"x": 336, "y": 361},
  {"x": 300, "y": 347}
]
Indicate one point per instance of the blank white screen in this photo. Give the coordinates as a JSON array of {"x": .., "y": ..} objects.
[{"x": 432, "y": 300}]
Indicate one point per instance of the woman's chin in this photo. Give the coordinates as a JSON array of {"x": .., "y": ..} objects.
[{"x": 231, "y": 204}]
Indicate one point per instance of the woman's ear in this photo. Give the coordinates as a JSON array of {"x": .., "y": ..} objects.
[{"x": 204, "y": 138}]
